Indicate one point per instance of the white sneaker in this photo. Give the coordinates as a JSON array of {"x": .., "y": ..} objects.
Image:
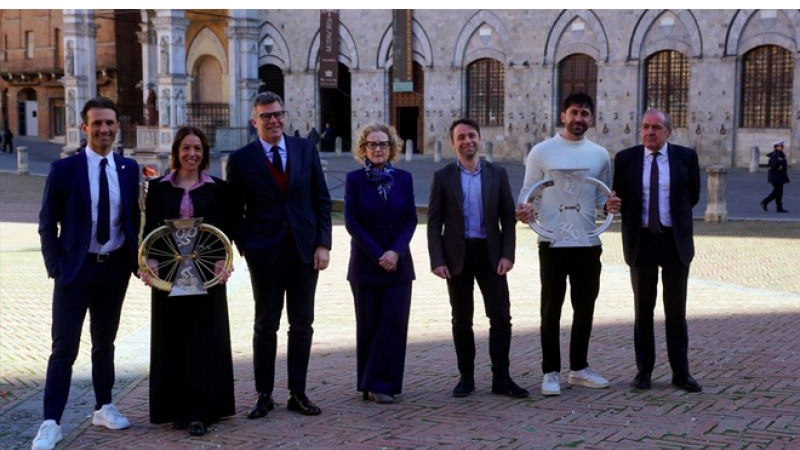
[
  {"x": 48, "y": 436},
  {"x": 551, "y": 383},
  {"x": 108, "y": 416},
  {"x": 587, "y": 378}
]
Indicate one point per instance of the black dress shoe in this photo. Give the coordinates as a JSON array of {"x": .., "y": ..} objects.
[
  {"x": 764, "y": 205},
  {"x": 197, "y": 428},
  {"x": 782, "y": 211},
  {"x": 687, "y": 383},
  {"x": 264, "y": 404},
  {"x": 642, "y": 381},
  {"x": 507, "y": 387},
  {"x": 464, "y": 387},
  {"x": 301, "y": 404}
]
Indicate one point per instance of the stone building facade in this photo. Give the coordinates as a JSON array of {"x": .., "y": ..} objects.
[
  {"x": 36, "y": 55},
  {"x": 205, "y": 66}
]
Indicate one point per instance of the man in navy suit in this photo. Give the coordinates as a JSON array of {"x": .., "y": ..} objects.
[
  {"x": 282, "y": 227},
  {"x": 471, "y": 237},
  {"x": 656, "y": 185},
  {"x": 91, "y": 260}
]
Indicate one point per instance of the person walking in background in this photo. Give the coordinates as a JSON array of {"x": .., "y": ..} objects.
[
  {"x": 8, "y": 141},
  {"x": 581, "y": 265},
  {"x": 282, "y": 226},
  {"x": 471, "y": 237},
  {"x": 776, "y": 176},
  {"x": 191, "y": 367},
  {"x": 381, "y": 217},
  {"x": 656, "y": 185},
  {"x": 88, "y": 225},
  {"x": 328, "y": 137}
]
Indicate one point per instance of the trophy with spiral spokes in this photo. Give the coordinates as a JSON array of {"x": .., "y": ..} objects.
[{"x": 183, "y": 256}]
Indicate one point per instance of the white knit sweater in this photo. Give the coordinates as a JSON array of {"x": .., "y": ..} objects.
[{"x": 560, "y": 153}]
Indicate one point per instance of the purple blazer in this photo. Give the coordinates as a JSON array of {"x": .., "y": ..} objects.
[{"x": 376, "y": 227}]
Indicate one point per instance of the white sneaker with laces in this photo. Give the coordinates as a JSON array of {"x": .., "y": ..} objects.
[
  {"x": 551, "y": 383},
  {"x": 587, "y": 378},
  {"x": 48, "y": 436},
  {"x": 108, "y": 416}
]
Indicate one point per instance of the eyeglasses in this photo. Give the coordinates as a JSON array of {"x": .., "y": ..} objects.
[
  {"x": 372, "y": 145},
  {"x": 277, "y": 115}
]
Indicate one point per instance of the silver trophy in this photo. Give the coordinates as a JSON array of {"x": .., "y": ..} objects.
[{"x": 568, "y": 207}]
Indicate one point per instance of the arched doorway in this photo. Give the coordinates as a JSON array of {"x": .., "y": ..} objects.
[
  {"x": 27, "y": 110},
  {"x": 271, "y": 77},
  {"x": 335, "y": 108},
  {"x": 208, "y": 109},
  {"x": 406, "y": 109}
]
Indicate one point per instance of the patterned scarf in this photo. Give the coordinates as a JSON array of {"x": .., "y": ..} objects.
[{"x": 381, "y": 177}]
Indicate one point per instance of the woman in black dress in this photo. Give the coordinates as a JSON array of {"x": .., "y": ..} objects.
[{"x": 191, "y": 370}]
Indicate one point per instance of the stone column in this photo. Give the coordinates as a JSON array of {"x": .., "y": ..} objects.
[
  {"x": 171, "y": 81},
  {"x": 243, "y": 51},
  {"x": 716, "y": 207},
  {"x": 80, "y": 80}
]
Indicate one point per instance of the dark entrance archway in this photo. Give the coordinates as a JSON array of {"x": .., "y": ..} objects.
[
  {"x": 406, "y": 109},
  {"x": 335, "y": 108}
]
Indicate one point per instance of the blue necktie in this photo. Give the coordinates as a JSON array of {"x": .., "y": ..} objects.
[
  {"x": 103, "y": 207},
  {"x": 653, "y": 220}
]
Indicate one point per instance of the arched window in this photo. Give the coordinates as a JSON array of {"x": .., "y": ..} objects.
[
  {"x": 576, "y": 73},
  {"x": 667, "y": 85},
  {"x": 486, "y": 92},
  {"x": 271, "y": 77},
  {"x": 767, "y": 88}
]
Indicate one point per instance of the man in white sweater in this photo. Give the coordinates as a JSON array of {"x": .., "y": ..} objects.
[{"x": 581, "y": 264}]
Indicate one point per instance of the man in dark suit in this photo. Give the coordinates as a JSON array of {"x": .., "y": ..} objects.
[
  {"x": 88, "y": 224},
  {"x": 471, "y": 237},
  {"x": 656, "y": 186},
  {"x": 282, "y": 227}
]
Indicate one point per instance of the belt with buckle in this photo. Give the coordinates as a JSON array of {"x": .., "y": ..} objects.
[{"x": 105, "y": 257}]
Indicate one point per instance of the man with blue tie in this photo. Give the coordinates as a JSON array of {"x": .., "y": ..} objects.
[
  {"x": 88, "y": 225},
  {"x": 282, "y": 227},
  {"x": 656, "y": 184}
]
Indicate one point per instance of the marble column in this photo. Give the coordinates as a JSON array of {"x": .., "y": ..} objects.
[{"x": 80, "y": 80}]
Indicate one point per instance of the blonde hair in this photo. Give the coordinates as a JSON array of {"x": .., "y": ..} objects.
[{"x": 360, "y": 147}]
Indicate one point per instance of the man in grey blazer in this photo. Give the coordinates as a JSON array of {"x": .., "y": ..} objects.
[
  {"x": 656, "y": 185},
  {"x": 471, "y": 237},
  {"x": 282, "y": 227}
]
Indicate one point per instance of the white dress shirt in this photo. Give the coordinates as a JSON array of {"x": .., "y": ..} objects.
[{"x": 117, "y": 238}]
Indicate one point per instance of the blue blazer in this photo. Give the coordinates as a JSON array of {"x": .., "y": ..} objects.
[
  {"x": 376, "y": 227},
  {"x": 684, "y": 193},
  {"x": 263, "y": 215},
  {"x": 65, "y": 220}
]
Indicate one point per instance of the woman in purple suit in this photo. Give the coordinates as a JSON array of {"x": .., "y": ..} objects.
[{"x": 381, "y": 217}]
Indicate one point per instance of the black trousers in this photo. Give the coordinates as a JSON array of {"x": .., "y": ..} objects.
[
  {"x": 494, "y": 289},
  {"x": 99, "y": 288},
  {"x": 291, "y": 277},
  {"x": 659, "y": 250},
  {"x": 581, "y": 265},
  {"x": 776, "y": 194}
]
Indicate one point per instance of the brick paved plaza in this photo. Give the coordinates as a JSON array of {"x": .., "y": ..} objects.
[{"x": 743, "y": 312}]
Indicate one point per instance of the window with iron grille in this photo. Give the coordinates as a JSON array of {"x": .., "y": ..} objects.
[
  {"x": 767, "y": 88},
  {"x": 576, "y": 73},
  {"x": 667, "y": 85},
  {"x": 486, "y": 92}
]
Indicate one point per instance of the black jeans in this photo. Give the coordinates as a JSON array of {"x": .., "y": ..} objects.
[{"x": 582, "y": 266}]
